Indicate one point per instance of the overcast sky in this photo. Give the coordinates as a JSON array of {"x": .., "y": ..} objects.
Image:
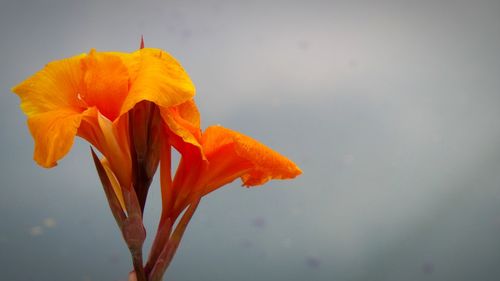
[{"x": 391, "y": 109}]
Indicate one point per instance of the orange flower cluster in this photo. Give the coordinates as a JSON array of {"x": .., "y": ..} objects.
[{"x": 133, "y": 108}]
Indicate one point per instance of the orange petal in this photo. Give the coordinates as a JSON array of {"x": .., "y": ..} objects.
[
  {"x": 116, "y": 147},
  {"x": 56, "y": 87},
  {"x": 159, "y": 78},
  {"x": 50, "y": 100},
  {"x": 106, "y": 80},
  {"x": 114, "y": 182},
  {"x": 189, "y": 180},
  {"x": 231, "y": 155},
  {"x": 53, "y": 133},
  {"x": 189, "y": 112},
  {"x": 183, "y": 121},
  {"x": 111, "y": 139}
]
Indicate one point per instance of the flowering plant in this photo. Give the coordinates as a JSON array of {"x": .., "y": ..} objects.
[{"x": 134, "y": 108}]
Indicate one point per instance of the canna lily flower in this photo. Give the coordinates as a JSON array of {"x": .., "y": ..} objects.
[
  {"x": 92, "y": 95},
  {"x": 218, "y": 157},
  {"x": 134, "y": 108},
  {"x": 111, "y": 99},
  {"x": 209, "y": 160}
]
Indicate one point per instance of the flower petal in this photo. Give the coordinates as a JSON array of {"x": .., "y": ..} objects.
[
  {"x": 53, "y": 133},
  {"x": 55, "y": 87},
  {"x": 159, "y": 78},
  {"x": 189, "y": 112},
  {"x": 231, "y": 154},
  {"x": 106, "y": 81},
  {"x": 114, "y": 182},
  {"x": 111, "y": 139},
  {"x": 183, "y": 121}
]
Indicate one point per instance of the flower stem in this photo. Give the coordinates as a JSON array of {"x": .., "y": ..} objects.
[
  {"x": 138, "y": 268},
  {"x": 161, "y": 238},
  {"x": 170, "y": 248}
]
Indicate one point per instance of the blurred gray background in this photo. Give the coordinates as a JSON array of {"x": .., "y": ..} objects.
[{"x": 391, "y": 109}]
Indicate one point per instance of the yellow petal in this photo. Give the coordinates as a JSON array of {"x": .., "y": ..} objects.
[
  {"x": 159, "y": 78},
  {"x": 56, "y": 87},
  {"x": 114, "y": 182},
  {"x": 53, "y": 133}
]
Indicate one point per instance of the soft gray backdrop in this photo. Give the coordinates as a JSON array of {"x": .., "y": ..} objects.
[{"x": 391, "y": 108}]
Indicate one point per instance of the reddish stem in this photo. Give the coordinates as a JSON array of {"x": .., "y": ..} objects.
[{"x": 170, "y": 248}]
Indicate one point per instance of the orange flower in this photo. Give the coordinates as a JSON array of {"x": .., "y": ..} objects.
[
  {"x": 209, "y": 160},
  {"x": 134, "y": 107},
  {"x": 90, "y": 95}
]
